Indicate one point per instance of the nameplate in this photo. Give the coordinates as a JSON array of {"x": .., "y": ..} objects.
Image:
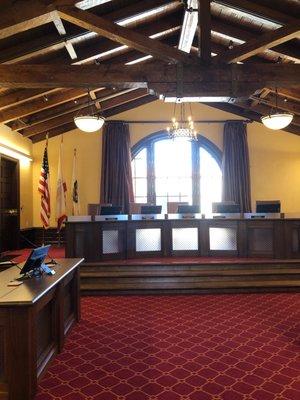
[
  {"x": 219, "y": 217},
  {"x": 111, "y": 219},
  {"x": 258, "y": 216},
  {"x": 145, "y": 217}
]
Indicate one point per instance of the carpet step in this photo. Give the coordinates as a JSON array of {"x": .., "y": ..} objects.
[{"x": 203, "y": 277}]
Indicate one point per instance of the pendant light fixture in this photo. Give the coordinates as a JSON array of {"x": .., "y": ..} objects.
[
  {"x": 277, "y": 120},
  {"x": 88, "y": 122},
  {"x": 181, "y": 126}
]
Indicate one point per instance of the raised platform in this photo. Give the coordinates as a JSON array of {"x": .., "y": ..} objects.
[{"x": 190, "y": 275}]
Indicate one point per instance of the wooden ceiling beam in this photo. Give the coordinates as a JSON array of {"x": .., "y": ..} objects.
[
  {"x": 63, "y": 119},
  {"x": 41, "y": 45},
  {"x": 63, "y": 109},
  {"x": 289, "y": 93},
  {"x": 123, "y": 35},
  {"x": 18, "y": 16},
  {"x": 22, "y": 95},
  {"x": 263, "y": 42},
  {"x": 249, "y": 113},
  {"x": 238, "y": 32},
  {"x": 40, "y": 103},
  {"x": 282, "y": 103},
  {"x": 259, "y": 10},
  {"x": 204, "y": 30},
  {"x": 109, "y": 113},
  {"x": 231, "y": 76}
]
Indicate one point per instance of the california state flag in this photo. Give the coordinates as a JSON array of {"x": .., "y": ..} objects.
[
  {"x": 75, "y": 188},
  {"x": 61, "y": 192}
]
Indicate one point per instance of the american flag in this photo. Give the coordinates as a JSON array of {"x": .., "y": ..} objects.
[{"x": 45, "y": 190}]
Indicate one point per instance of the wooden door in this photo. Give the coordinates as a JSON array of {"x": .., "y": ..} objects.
[{"x": 9, "y": 203}]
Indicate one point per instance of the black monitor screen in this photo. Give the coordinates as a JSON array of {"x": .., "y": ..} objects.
[
  {"x": 268, "y": 207},
  {"x": 151, "y": 209},
  {"x": 111, "y": 210},
  {"x": 186, "y": 209},
  {"x": 35, "y": 259},
  {"x": 224, "y": 208}
]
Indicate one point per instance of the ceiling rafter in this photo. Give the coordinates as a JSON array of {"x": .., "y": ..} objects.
[
  {"x": 63, "y": 119},
  {"x": 123, "y": 35},
  {"x": 260, "y": 44},
  {"x": 118, "y": 109},
  {"x": 259, "y": 10}
]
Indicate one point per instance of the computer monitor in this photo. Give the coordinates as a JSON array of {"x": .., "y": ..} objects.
[
  {"x": 270, "y": 206},
  {"x": 226, "y": 207},
  {"x": 151, "y": 209},
  {"x": 187, "y": 209},
  {"x": 35, "y": 260},
  {"x": 111, "y": 210}
]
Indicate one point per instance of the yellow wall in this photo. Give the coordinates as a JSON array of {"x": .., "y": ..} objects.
[
  {"x": 274, "y": 157},
  {"x": 16, "y": 141}
]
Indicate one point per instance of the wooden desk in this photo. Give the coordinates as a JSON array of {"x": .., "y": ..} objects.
[
  {"x": 125, "y": 238},
  {"x": 34, "y": 320}
]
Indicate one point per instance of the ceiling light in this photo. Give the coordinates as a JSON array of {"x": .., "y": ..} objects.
[
  {"x": 277, "y": 121},
  {"x": 89, "y": 123}
]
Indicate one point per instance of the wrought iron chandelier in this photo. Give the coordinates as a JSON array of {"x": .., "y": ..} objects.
[{"x": 182, "y": 127}]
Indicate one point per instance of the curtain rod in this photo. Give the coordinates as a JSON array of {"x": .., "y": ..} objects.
[{"x": 199, "y": 121}]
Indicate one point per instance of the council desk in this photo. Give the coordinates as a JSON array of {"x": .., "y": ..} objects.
[
  {"x": 138, "y": 236},
  {"x": 34, "y": 319}
]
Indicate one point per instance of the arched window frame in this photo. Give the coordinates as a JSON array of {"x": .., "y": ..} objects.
[{"x": 148, "y": 143}]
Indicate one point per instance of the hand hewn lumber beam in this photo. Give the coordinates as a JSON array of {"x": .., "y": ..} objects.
[
  {"x": 231, "y": 77},
  {"x": 259, "y": 10},
  {"x": 263, "y": 42},
  {"x": 204, "y": 30},
  {"x": 108, "y": 113},
  {"x": 63, "y": 119},
  {"x": 123, "y": 35}
]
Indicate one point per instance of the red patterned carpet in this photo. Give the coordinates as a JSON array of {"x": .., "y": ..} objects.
[{"x": 212, "y": 347}]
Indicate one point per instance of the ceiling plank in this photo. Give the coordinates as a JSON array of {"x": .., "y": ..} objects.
[
  {"x": 204, "y": 30},
  {"x": 20, "y": 15},
  {"x": 123, "y": 35},
  {"x": 63, "y": 119},
  {"x": 259, "y": 10},
  {"x": 263, "y": 42}
]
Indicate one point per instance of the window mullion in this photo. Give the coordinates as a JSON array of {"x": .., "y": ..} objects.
[
  {"x": 151, "y": 174},
  {"x": 195, "y": 173}
]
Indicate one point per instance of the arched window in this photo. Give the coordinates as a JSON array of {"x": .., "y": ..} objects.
[{"x": 166, "y": 170}]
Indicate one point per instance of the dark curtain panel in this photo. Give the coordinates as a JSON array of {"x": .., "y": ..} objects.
[
  {"x": 235, "y": 165},
  {"x": 116, "y": 176}
]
